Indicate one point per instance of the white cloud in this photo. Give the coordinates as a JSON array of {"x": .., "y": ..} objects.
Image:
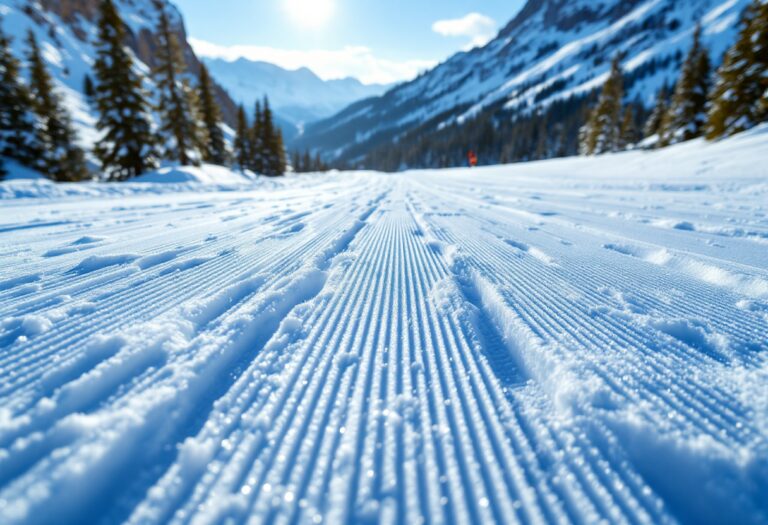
[
  {"x": 354, "y": 61},
  {"x": 480, "y": 29}
]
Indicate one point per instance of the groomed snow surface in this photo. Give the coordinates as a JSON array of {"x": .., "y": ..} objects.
[{"x": 568, "y": 341}]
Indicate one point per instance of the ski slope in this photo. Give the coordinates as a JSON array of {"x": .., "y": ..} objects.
[{"x": 561, "y": 342}]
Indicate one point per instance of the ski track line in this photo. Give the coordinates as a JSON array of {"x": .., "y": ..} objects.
[
  {"x": 563, "y": 312},
  {"x": 179, "y": 290},
  {"x": 321, "y": 259},
  {"x": 384, "y": 349}
]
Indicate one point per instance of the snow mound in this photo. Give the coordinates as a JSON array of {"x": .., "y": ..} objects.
[
  {"x": 206, "y": 174},
  {"x": 26, "y": 184}
]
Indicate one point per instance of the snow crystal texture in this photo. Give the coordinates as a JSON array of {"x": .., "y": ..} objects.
[{"x": 580, "y": 340}]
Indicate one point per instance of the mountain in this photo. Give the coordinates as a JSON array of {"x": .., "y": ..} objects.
[
  {"x": 550, "y": 58},
  {"x": 66, "y": 30},
  {"x": 299, "y": 96}
]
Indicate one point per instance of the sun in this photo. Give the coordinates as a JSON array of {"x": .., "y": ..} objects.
[{"x": 310, "y": 13}]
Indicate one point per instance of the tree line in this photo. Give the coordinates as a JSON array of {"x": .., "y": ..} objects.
[
  {"x": 698, "y": 105},
  {"x": 259, "y": 147},
  {"x": 308, "y": 163},
  {"x": 36, "y": 129}
]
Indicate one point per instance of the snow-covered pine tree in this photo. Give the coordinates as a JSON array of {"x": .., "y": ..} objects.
[
  {"x": 738, "y": 97},
  {"x": 687, "y": 114},
  {"x": 179, "y": 122},
  {"x": 628, "y": 135},
  {"x": 128, "y": 147},
  {"x": 655, "y": 120},
  {"x": 18, "y": 139},
  {"x": 760, "y": 42},
  {"x": 603, "y": 129},
  {"x": 214, "y": 145},
  {"x": 61, "y": 158},
  {"x": 585, "y": 135},
  {"x": 257, "y": 141},
  {"x": 242, "y": 149}
]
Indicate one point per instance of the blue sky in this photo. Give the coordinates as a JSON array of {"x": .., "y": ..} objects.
[{"x": 374, "y": 40}]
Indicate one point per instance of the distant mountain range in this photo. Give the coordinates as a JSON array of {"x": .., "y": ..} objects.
[
  {"x": 298, "y": 97},
  {"x": 552, "y": 51}
]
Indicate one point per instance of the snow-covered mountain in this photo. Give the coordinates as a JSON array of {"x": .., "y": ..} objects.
[
  {"x": 298, "y": 96},
  {"x": 551, "y": 50},
  {"x": 66, "y": 30}
]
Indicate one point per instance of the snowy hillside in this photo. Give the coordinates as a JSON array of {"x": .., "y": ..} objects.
[
  {"x": 298, "y": 96},
  {"x": 552, "y": 50},
  {"x": 571, "y": 341},
  {"x": 66, "y": 31}
]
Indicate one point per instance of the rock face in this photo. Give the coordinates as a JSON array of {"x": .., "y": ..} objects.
[
  {"x": 552, "y": 50},
  {"x": 142, "y": 39}
]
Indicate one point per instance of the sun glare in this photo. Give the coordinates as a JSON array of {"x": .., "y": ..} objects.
[{"x": 310, "y": 13}]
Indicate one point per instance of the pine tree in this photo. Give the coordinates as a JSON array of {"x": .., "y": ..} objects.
[
  {"x": 738, "y": 98},
  {"x": 215, "y": 147},
  {"x": 179, "y": 122},
  {"x": 88, "y": 88},
  {"x": 586, "y": 145},
  {"x": 242, "y": 153},
  {"x": 128, "y": 147},
  {"x": 560, "y": 149},
  {"x": 61, "y": 158},
  {"x": 17, "y": 120},
  {"x": 542, "y": 139},
  {"x": 628, "y": 136},
  {"x": 268, "y": 144},
  {"x": 257, "y": 141},
  {"x": 603, "y": 129},
  {"x": 760, "y": 49},
  {"x": 318, "y": 164},
  {"x": 687, "y": 114},
  {"x": 280, "y": 165},
  {"x": 656, "y": 119},
  {"x": 272, "y": 147}
]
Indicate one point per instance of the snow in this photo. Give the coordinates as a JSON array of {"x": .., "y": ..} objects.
[
  {"x": 208, "y": 174},
  {"x": 26, "y": 183},
  {"x": 578, "y": 340}
]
